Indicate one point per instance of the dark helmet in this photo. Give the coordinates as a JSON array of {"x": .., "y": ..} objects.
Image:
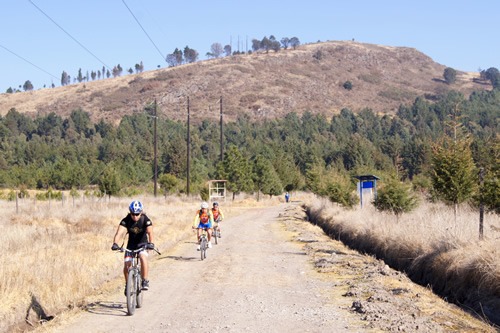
[
  {"x": 135, "y": 207},
  {"x": 216, "y": 203}
]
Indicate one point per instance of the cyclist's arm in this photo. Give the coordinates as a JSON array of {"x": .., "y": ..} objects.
[
  {"x": 149, "y": 232},
  {"x": 196, "y": 220},
  {"x": 221, "y": 215},
  {"x": 120, "y": 234}
]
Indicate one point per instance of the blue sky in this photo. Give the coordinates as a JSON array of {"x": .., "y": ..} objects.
[{"x": 90, "y": 34}]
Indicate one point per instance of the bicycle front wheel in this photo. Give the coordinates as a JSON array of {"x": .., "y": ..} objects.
[
  {"x": 203, "y": 248},
  {"x": 131, "y": 291},
  {"x": 139, "y": 290}
]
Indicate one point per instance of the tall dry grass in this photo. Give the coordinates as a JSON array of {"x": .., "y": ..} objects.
[
  {"x": 57, "y": 253},
  {"x": 429, "y": 245}
]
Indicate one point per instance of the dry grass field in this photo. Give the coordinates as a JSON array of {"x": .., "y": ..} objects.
[
  {"x": 428, "y": 245},
  {"x": 56, "y": 253}
]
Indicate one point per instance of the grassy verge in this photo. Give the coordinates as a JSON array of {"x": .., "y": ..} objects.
[{"x": 428, "y": 245}]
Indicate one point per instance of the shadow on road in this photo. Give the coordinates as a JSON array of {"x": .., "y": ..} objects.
[
  {"x": 107, "y": 308},
  {"x": 181, "y": 258}
]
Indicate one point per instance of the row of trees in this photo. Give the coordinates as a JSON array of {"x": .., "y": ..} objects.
[
  {"x": 188, "y": 55},
  {"x": 307, "y": 152},
  {"x": 176, "y": 58},
  {"x": 491, "y": 74}
]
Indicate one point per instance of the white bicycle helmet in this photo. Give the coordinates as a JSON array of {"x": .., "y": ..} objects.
[{"x": 204, "y": 204}]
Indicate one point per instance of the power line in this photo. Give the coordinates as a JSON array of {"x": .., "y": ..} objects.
[
  {"x": 67, "y": 33},
  {"x": 29, "y": 62},
  {"x": 161, "y": 55}
]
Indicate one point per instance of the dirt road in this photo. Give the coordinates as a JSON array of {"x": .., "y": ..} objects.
[{"x": 265, "y": 275}]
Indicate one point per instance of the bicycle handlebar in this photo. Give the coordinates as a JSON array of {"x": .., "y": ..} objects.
[{"x": 142, "y": 248}]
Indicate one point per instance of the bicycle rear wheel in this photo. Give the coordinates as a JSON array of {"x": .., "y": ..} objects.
[
  {"x": 131, "y": 291},
  {"x": 215, "y": 234}
]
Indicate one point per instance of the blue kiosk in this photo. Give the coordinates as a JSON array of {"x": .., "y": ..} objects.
[{"x": 368, "y": 185}]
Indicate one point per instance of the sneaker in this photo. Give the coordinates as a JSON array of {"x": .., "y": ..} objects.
[
  {"x": 145, "y": 284},
  {"x": 209, "y": 245},
  {"x": 198, "y": 247}
]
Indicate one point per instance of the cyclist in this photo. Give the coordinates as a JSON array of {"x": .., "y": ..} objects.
[
  {"x": 203, "y": 220},
  {"x": 218, "y": 215},
  {"x": 140, "y": 233}
]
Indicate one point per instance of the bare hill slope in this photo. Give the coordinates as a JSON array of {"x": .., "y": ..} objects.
[{"x": 310, "y": 78}]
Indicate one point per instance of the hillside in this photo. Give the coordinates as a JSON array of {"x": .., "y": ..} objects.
[{"x": 309, "y": 78}]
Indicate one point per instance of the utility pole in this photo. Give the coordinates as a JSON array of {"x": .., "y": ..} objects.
[
  {"x": 221, "y": 134},
  {"x": 188, "y": 148},
  {"x": 155, "y": 150},
  {"x": 481, "y": 204}
]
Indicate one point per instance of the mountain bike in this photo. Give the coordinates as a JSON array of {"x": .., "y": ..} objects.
[
  {"x": 203, "y": 243},
  {"x": 133, "y": 290},
  {"x": 216, "y": 232}
]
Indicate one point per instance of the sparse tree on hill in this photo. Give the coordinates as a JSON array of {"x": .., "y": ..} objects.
[
  {"x": 79, "y": 77},
  {"x": 255, "y": 45},
  {"x": 216, "y": 50},
  {"x": 93, "y": 75},
  {"x": 27, "y": 86},
  {"x": 130, "y": 70},
  {"x": 175, "y": 58},
  {"x": 450, "y": 75},
  {"x": 139, "y": 68},
  {"x": 285, "y": 41},
  {"x": 227, "y": 50},
  {"x": 492, "y": 74},
  {"x": 65, "y": 78},
  {"x": 294, "y": 42},
  {"x": 190, "y": 55}
]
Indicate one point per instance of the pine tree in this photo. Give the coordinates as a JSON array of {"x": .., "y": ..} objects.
[
  {"x": 453, "y": 171},
  {"x": 395, "y": 197}
]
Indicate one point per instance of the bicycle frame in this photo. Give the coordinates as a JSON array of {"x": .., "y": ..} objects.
[
  {"x": 134, "y": 281},
  {"x": 203, "y": 243}
]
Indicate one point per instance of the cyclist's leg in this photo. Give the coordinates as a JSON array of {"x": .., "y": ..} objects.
[
  {"x": 143, "y": 256},
  {"x": 209, "y": 234},
  {"x": 127, "y": 262},
  {"x": 198, "y": 233}
]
